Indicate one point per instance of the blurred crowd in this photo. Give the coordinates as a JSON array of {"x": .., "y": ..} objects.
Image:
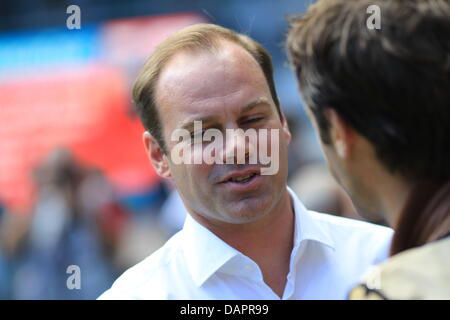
[{"x": 76, "y": 220}]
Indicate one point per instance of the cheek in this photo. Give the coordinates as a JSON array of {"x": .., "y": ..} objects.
[
  {"x": 334, "y": 166},
  {"x": 191, "y": 176}
]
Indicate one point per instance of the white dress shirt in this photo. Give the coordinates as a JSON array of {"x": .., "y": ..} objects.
[{"x": 329, "y": 256}]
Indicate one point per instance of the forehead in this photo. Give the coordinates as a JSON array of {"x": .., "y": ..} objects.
[{"x": 203, "y": 81}]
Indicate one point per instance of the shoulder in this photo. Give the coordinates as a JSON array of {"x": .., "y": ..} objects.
[
  {"x": 149, "y": 279},
  {"x": 419, "y": 273},
  {"x": 345, "y": 227},
  {"x": 363, "y": 242}
]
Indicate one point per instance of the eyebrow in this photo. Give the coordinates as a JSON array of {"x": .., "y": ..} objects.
[
  {"x": 252, "y": 105},
  {"x": 256, "y": 103}
]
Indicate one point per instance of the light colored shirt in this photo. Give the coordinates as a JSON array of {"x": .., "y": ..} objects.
[{"x": 329, "y": 256}]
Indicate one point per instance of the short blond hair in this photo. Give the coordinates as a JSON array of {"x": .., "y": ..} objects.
[{"x": 195, "y": 37}]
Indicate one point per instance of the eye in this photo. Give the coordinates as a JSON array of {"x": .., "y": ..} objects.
[{"x": 252, "y": 120}]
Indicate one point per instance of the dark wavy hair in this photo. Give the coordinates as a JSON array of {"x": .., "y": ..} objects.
[{"x": 392, "y": 85}]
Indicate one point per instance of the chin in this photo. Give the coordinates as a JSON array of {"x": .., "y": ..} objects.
[{"x": 249, "y": 209}]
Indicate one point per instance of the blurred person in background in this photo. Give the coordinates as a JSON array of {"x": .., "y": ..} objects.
[
  {"x": 76, "y": 221},
  {"x": 173, "y": 213},
  {"x": 13, "y": 232},
  {"x": 5, "y": 258},
  {"x": 380, "y": 99},
  {"x": 247, "y": 235}
]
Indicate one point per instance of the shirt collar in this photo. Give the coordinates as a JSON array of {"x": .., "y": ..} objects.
[
  {"x": 307, "y": 228},
  {"x": 205, "y": 253}
]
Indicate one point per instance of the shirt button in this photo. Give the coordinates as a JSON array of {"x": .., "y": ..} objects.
[{"x": 249, "y": 267}]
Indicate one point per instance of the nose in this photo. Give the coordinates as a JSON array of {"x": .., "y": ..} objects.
[{"x": 239, "y": 145}]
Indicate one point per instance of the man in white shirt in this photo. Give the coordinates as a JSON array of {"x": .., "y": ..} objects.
[{"x": 247, "y": 235}]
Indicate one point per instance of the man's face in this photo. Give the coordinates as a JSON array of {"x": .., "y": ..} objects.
[{"x": 224, "y": 90}]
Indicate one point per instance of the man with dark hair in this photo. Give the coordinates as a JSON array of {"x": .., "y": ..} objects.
[
  {"x": 247, "y": 236},
  {"x": 380, "y": 99}
]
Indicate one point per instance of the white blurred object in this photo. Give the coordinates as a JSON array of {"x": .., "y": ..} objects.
[
  {"x": 173, "y": 213},
  {"x": 50, "y": 219}
]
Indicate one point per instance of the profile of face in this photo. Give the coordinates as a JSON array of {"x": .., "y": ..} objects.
[
  {"x": 224, "y": 90},
  {"x": 350, "y": 158}
]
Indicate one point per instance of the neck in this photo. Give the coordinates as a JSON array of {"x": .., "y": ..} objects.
[
  {"x": 272, "y": 236},
  {"x": 392, "y": 197},
  {"x": 268, "y": 241}
]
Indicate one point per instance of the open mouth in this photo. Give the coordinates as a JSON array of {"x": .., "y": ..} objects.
[{"x": 242, "y": 179}]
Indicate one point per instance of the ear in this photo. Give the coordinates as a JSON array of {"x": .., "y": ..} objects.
[
  {"x": 156, "y": 155},
  {"x": 341, "y": 134},
  {"x": 286, "y": 130}
]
